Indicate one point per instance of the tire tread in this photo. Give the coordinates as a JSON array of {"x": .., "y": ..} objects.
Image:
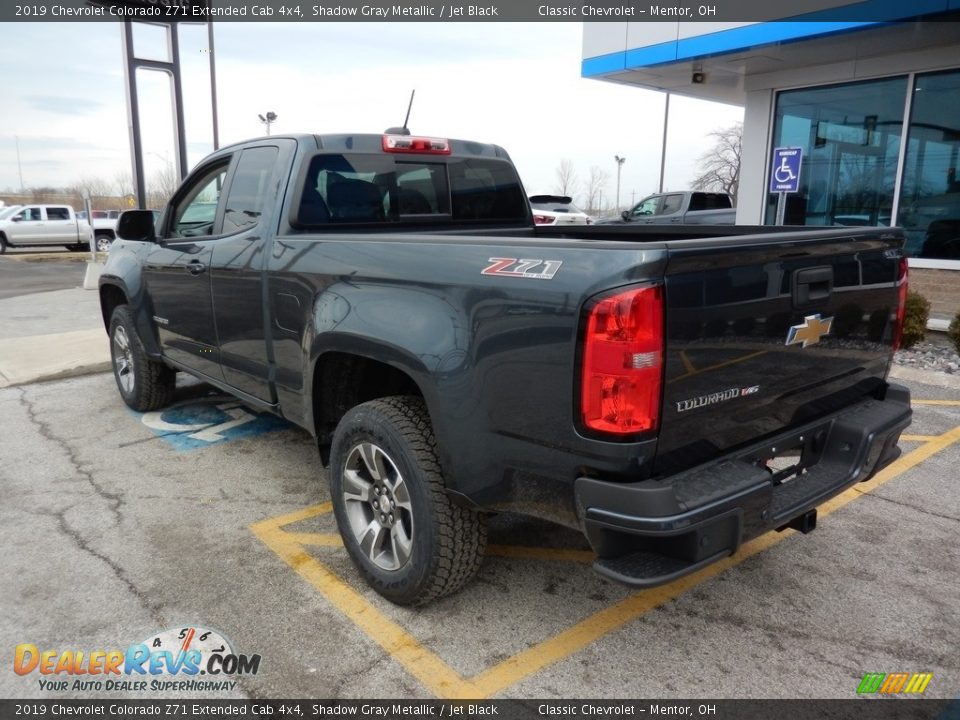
[{"x": 155, "y": 382}]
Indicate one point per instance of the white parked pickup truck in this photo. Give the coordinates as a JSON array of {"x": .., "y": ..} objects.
[{"x": 44, "y": 225}]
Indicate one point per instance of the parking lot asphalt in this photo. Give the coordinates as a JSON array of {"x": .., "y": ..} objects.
[
  {"x": 117, "y": 526},
  {"x": 27, "y": 271}
]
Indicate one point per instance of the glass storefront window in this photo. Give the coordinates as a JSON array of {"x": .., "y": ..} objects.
[
  {"x": 929, "y": 209},
  {"x": 850, "y": 135}
]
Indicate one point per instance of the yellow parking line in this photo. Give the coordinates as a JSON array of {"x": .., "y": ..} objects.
[
  {"x": 687, "y": 365},
  {"x": 439, "y": 678},
  {"x": 516, "y": 668},
  {"x": 432, "y": 672},
  {"x": 918, "y": 438},
  {"x": 935, "y": 402}
]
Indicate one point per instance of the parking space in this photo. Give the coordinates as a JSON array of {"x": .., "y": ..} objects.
[{"x": 120, "y": 525}]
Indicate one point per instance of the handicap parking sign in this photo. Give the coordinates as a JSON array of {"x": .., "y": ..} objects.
[{"x": 785, "y": 169}]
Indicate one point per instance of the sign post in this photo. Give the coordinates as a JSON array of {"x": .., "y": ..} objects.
[{"x": 785, "y": 176}]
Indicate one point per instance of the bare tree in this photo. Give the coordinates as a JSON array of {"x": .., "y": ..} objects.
[
  {"x": 567, "y": 182},
  {"x": 161, "y": 186},
  {"x": 720, "y": 166},
  {"x": 596, "y": 184},
  {"x": 96, "y": 187},
  {"x": 123, "y": 183}
]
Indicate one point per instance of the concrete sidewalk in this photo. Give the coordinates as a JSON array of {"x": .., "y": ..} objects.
[{"x": 51, "y": 335}]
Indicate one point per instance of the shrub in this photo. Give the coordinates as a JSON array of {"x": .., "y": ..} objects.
[
  {"x": 915, "y": 319},
  {"x": 954, "y": 332}
]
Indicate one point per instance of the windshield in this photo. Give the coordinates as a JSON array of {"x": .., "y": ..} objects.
[{"x": 8, "y": 211}]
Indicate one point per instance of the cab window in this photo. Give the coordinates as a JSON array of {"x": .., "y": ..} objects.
[
  {"x": 647, "y": 207},
  {"x": 195, "y": 212}
]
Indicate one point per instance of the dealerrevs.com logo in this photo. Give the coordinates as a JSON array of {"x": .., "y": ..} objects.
[{"x": 173, "y": 660}]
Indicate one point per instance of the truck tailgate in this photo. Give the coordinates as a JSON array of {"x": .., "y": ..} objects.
[{"x": 771, "y": 331}]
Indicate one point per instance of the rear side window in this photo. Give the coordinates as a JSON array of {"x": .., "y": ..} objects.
[
  {"x": 58, "y": 213},
  {"x": 485, "y": 190},
  {"x": 378, "y": 188},
  {"x": 672, "y": 204},
  {"x": 249, "y": 188}
]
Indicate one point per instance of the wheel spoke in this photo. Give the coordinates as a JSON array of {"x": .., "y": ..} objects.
[
  {"x": 400, "y": 543},
  {"x": 372, "y": 540},
  {"x": 355, "y": 488},
  {"x": 401, "y": 494},
  {"x": 373, "y": 459}
]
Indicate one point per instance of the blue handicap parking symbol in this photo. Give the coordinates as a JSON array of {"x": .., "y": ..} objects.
[
  {"x": 785, "y": 169},
  {"x": 202, "y": 422}
]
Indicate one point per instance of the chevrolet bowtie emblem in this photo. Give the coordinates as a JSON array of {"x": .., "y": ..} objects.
[{"x": 809, "y": 331}]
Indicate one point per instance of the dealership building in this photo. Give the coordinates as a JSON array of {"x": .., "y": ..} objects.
[{"x": 874, "y": 107}]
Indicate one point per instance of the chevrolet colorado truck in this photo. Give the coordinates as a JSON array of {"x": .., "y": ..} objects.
[{"x": 669, "y": 392}]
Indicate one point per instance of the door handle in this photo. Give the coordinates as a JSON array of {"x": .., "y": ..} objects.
[{"x": 195, "y": 267}]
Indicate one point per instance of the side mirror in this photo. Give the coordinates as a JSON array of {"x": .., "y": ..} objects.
[
  {"x": 17, "y": 218},
  {"x": 625, "y": 214},
  {"x": 136, "y": 225}
]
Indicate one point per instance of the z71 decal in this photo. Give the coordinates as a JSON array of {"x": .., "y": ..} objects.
[{"x": 532, "y": 269}]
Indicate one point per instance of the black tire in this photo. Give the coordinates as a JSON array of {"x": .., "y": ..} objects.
[
  {"x": 144, "y": 384},
  {"x": 447, "y": 541},
  {"x": 3, "y": 243}
]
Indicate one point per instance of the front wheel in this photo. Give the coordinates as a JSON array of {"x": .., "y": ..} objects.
[
  {"x": 411, "y": 543},
  {"x": 145, "y": 384},
  {"x": 3, "y": 243}
]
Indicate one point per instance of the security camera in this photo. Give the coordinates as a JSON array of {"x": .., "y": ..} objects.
[{"x": 697, "y": 78}]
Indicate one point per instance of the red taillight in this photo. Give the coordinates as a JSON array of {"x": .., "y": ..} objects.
[
  {"x": 409, "y": 144},
  {"x": 544, "y": 219},
  {"x": 901, "y": 303},
  {"x": 623, "y": 362}
]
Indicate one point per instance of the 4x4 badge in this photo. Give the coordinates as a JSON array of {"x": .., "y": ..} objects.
[{"x": 809, "y": 331}]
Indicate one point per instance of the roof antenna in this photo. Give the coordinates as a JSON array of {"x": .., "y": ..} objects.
[{"x": 403, "y": 130}]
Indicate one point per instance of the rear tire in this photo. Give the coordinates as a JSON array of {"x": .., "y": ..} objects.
[
  {"x": 104, "y": 242},
  {"x": 144, "y": 384},
  {"x": 411, "y": 543}
]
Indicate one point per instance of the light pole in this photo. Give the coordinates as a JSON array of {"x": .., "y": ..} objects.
[
  {"x": 268, "y": 120},
  {"x": 16, "y": 139},
  {"x": 620, "y": 162},
  {"x": 663, "y": 147}
]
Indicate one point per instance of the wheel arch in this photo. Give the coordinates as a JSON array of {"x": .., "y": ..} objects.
[
  {"x": 342, "y": 380},
  {"x": 111, "y": 296}
]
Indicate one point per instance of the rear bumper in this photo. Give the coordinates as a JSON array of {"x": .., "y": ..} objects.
[{"x": 652, "y": 532}]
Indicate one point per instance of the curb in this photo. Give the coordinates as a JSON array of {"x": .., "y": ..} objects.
[
  {"x": 925, "y": 377},
  {"x": 79, "y": 371},
  {"x": 76, "y": 257}
]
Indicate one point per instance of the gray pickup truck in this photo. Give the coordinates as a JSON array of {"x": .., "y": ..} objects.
[
  {"x": 670, "y": 392},
  {"x": 680, "y": 208}
]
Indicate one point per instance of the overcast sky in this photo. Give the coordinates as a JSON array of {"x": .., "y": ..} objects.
[{"x": 517, "y": 85}]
